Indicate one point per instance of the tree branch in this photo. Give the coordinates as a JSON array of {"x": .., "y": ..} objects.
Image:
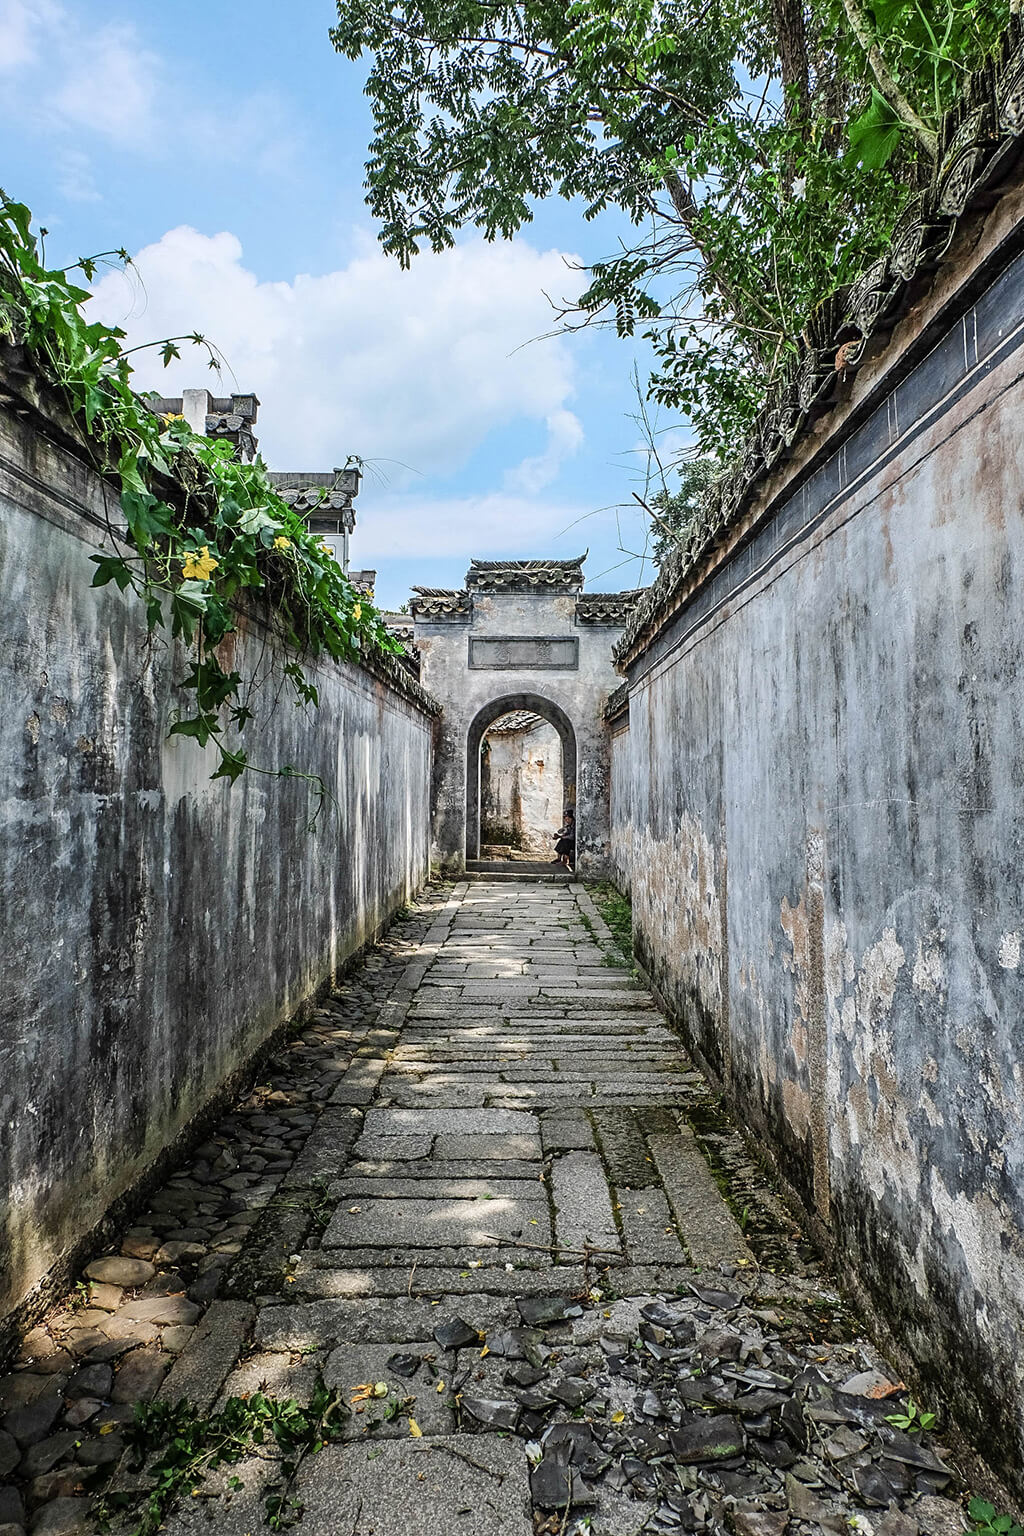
[
  {"x": 687, "y": 210},
  {"x": 861, "y": 28}
]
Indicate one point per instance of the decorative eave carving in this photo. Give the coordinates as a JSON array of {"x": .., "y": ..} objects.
[
  {"x": 329, "y": 492},
  {"x": 433, "y": 604},
  {"x": 550, "y": 576},
  {"x": 307, "y": 499},
  {"x": 979, "y": 140},
  {"x": 401, "y": 626},
  {"x": 612, "y": 608},
  {"x": 402, "y": 677},
  {"x": 618, "y": 703}
]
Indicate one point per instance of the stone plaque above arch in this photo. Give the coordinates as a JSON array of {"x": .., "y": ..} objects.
[{"x": 524, "y": 653}]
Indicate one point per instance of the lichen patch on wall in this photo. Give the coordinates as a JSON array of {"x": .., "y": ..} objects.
[{"x": 1009, "y": 951}]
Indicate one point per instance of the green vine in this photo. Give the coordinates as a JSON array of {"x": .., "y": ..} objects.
[{"x": 200, "y": 529}]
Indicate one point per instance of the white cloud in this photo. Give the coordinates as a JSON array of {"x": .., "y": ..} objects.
[
  {"x": 496, "y": 524},
  {"x": 75, "y": 178},
  {"x": 21, "y": 22},
  {"x": 417, "y": 367},
  {"x": 82, "y": 74},
  {"x": 80, "y": 82},
  {"x": 565, "y": 438},
  {"x": 110, "y": 83}
]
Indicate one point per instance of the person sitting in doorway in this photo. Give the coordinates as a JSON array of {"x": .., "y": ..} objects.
[{"x": 565, "y": 845}]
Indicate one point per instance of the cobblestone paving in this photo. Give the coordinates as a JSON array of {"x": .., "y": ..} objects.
[{"x": 451, "y": 1198}]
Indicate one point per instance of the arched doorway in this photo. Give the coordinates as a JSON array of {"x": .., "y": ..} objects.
[
  {"x": 522, "y": 787},
  {"x": 507, "y": 704}
]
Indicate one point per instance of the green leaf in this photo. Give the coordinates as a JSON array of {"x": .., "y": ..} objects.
[
  {"x": 875, "y": 135},
  {"x": 232, "y": 765},
  {"x": 200, "y": 727},
  {"x": 111, "y": 568},
  {"x": 128, "y": 469},
  {"x": 255, "y": 518},
  {"x": 195, "y": 593}
]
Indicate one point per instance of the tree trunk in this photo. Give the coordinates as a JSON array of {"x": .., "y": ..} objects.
[{"x": 791, "y": 34}]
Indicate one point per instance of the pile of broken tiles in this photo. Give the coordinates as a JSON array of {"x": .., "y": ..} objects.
[{"x": 706, "y": 1412}]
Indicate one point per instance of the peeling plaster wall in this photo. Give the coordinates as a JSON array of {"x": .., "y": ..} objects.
[
  {"x": 826, "y": 829},
  {"x": 156, "y": 926},
  {"x": 521, "y": 785}
]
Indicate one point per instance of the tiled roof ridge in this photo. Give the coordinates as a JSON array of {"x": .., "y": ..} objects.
[
  {"x": 607, "y": 607},
  {"x": 618, "y": 701},
  {"x": 607, "y": 597},
  {"x": 521, "y": 575},
  {"x": 528, "y": 566},
  {"x": 389, "y": 668},
  {"x": 979, "y": 138}
]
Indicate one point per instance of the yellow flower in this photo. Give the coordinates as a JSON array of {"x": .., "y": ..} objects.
[
  {"x": 198, "y": 564},
  {"x": 172, "y": 416},
  {"x": 357, "y": 611},
  {"x": 282, "y": 543}
]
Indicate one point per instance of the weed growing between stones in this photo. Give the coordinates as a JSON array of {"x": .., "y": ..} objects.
[
  {"x": 178, "y": 1447},
  {"x": 316, "y": 1202},
  {"x": 988, "y": 1523},
  {"x": 617, "y": 911},
  {"x": 914, "y": 1420}
]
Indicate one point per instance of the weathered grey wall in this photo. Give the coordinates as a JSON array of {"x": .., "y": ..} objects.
[
  {"x": 521, "y": 785},
  {"x": 824, "y": 801},
  {"x": 156, "y": 926},
  {"x": 622, "y": 771}
]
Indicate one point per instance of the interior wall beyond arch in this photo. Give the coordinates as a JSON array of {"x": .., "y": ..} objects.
[
  {"x": 486, "y": 717},
  {"x": 522, "y": 787}
]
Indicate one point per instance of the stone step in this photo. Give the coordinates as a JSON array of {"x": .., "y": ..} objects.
[{"x": 546, "y": 876}]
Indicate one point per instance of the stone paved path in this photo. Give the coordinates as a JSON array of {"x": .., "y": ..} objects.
[
  {"x": 491, "y": 1123},
  {"x": 517, "y": 1137}
]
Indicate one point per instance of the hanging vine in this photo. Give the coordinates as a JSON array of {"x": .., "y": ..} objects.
[{"x": 200, "y": 529}]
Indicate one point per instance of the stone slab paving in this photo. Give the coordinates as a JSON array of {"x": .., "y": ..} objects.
[{"x": 449, "y": 1198}]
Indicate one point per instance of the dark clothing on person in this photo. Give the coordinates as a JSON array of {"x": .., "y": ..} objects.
[{"x": 565, "y": 846}]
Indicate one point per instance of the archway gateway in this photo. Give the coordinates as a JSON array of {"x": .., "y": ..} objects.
[
  {"x": 520, "y": 633},
  {"x": 486, "y": 717}
]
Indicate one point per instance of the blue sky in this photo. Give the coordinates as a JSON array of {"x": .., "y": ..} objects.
[{"x": 223, "y": 146}]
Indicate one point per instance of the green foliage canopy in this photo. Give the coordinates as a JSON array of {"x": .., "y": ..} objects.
[
  {"x": 675, "y": 512},
  {"x": 763, "y": 153}
]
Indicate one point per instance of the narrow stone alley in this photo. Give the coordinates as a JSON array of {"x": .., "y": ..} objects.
[{"x": 465, "y": 1199}]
